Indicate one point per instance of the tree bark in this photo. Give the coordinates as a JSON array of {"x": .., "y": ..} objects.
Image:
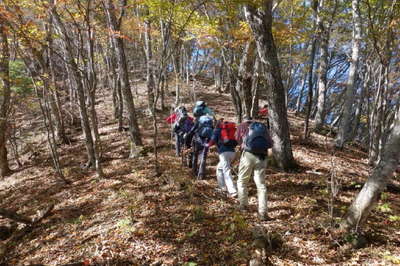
[
  {"x": 377, "y": 181},
  {"x": 324, "y": 31},
  {"x": 344, "y": 129},
  {"x": 5, "y": 97},
  {"x": 255, "y": 88},
  {"x": 74, "y": 71},
  {"x": 149, "y": 66},
  {"x": 135, "y": 136},
  {"x": 310, "y": 89},
  {"x": 92, "y": 87},
  {"x": 260, "y": 21},
  {"x": 244, "y": 80},
  {"x": 310, "y": 71},
  {"x": 54, "y": 97},
  {"x": 300, "y": 96},
  {"x": 237, "y": 102}
]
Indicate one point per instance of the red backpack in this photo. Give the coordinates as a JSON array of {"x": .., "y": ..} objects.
[{"x": 228, "y": 130}]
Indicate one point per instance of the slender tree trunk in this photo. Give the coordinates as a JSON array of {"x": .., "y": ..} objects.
[
  {"x": 44, "y": 99},
  {"x": 345, "y": 125},
  {"x": 377, "y": 181},
  {"x": 149, "y": 65},
  {"x": 73, "y": 69},
  {"x": 260, "y": 21},
  {"x": 54, "y": 97},
  {"x": 135, "y": 136},
  {"x": 92, "y": 87},
  {"x": 385, "y": 115},
  {"x": 376, "y": 120},
  {"x": 244, "y": 80},
  {"x": 255, "y": 88},
  {"x": 306, "y": 132},
  {"x": 360, "y": 105},
  {"x": 300, "y": 97},
  {"x": 237, "y": 102},
  {"x": 5, "y": 98},
  {"x": 163, "y": 88},
  {"x": 323, "y": 68},
  {"x": 175, "y": 63}
]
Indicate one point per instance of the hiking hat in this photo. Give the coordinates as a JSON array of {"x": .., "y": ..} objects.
[
  {"x": 200, "y": 103},
  {"x": 180, "y": 108}
]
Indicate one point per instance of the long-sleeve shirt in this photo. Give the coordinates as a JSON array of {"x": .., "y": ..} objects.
[{"x": 215, "y": 140}]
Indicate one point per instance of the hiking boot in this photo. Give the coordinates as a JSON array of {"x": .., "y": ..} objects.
[{"x": 264, "y": 217}]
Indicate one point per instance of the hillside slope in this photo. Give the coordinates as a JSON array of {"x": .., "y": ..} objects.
[{"x": 134, "y": 218}]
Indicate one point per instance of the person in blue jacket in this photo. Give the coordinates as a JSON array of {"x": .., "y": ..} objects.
[{"x": 226, "y": 154}]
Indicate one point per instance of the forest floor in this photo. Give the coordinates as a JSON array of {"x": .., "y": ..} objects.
[{"x": 135, "y": 218}]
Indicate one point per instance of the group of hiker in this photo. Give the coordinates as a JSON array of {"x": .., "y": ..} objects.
[{"x": 194, "y": 136}]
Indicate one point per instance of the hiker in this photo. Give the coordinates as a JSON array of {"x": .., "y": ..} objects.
[
  {"x": 201, "y": 109},
  {"x": 255, "y": 142},
  {"x": 199, "y": 136},
  {"x": 181, "y": 123},
  {"x": 224, "y": 138},
  {"x": 263, "y": 113}
]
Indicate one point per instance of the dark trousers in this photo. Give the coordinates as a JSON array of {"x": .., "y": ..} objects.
[
  {"x": 178, "y": 143},
  {"x": 199, "y": 159}
]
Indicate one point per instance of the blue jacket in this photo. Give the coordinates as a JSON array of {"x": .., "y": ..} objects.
[{"x": 215, "y": 139}]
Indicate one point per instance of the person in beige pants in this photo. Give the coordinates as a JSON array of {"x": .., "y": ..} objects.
[{"x": 251, "y": 163}]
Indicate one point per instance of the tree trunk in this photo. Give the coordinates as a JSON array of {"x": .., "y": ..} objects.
[
  {"x": 317, "y": 20},
  {"x": 310, "y": 89},
  {"x": 300, "y": 97},
  {"x": 377, "y": 181},
  {"x": 54, "y": 97},
  {"x": 44, "y": 99},
  {"x": 149, "y": 66},
  {"x": 237, "y": 102},
  {"x": 344, "y": 129},
  {"x": 376, "y": 120},
  {"x": 323, "y": 69},
  {"x": 360, "y": 105},
  {"x": 74, "y": 71},
  {"x": 244, "y": 80},
  {"x": 260, "y": 21},
  {"x": 255, "y": 88},
  {"x": 5, "y": 99},
  {"x": 92, "y": 87},
  {"x": 135, "y": 136}
]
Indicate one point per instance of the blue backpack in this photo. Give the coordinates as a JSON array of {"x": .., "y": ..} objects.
[
  {"x": 206, "y": 127},
  {"x": 258, "y": 140},
  {"x": 199, "y": 110}
]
